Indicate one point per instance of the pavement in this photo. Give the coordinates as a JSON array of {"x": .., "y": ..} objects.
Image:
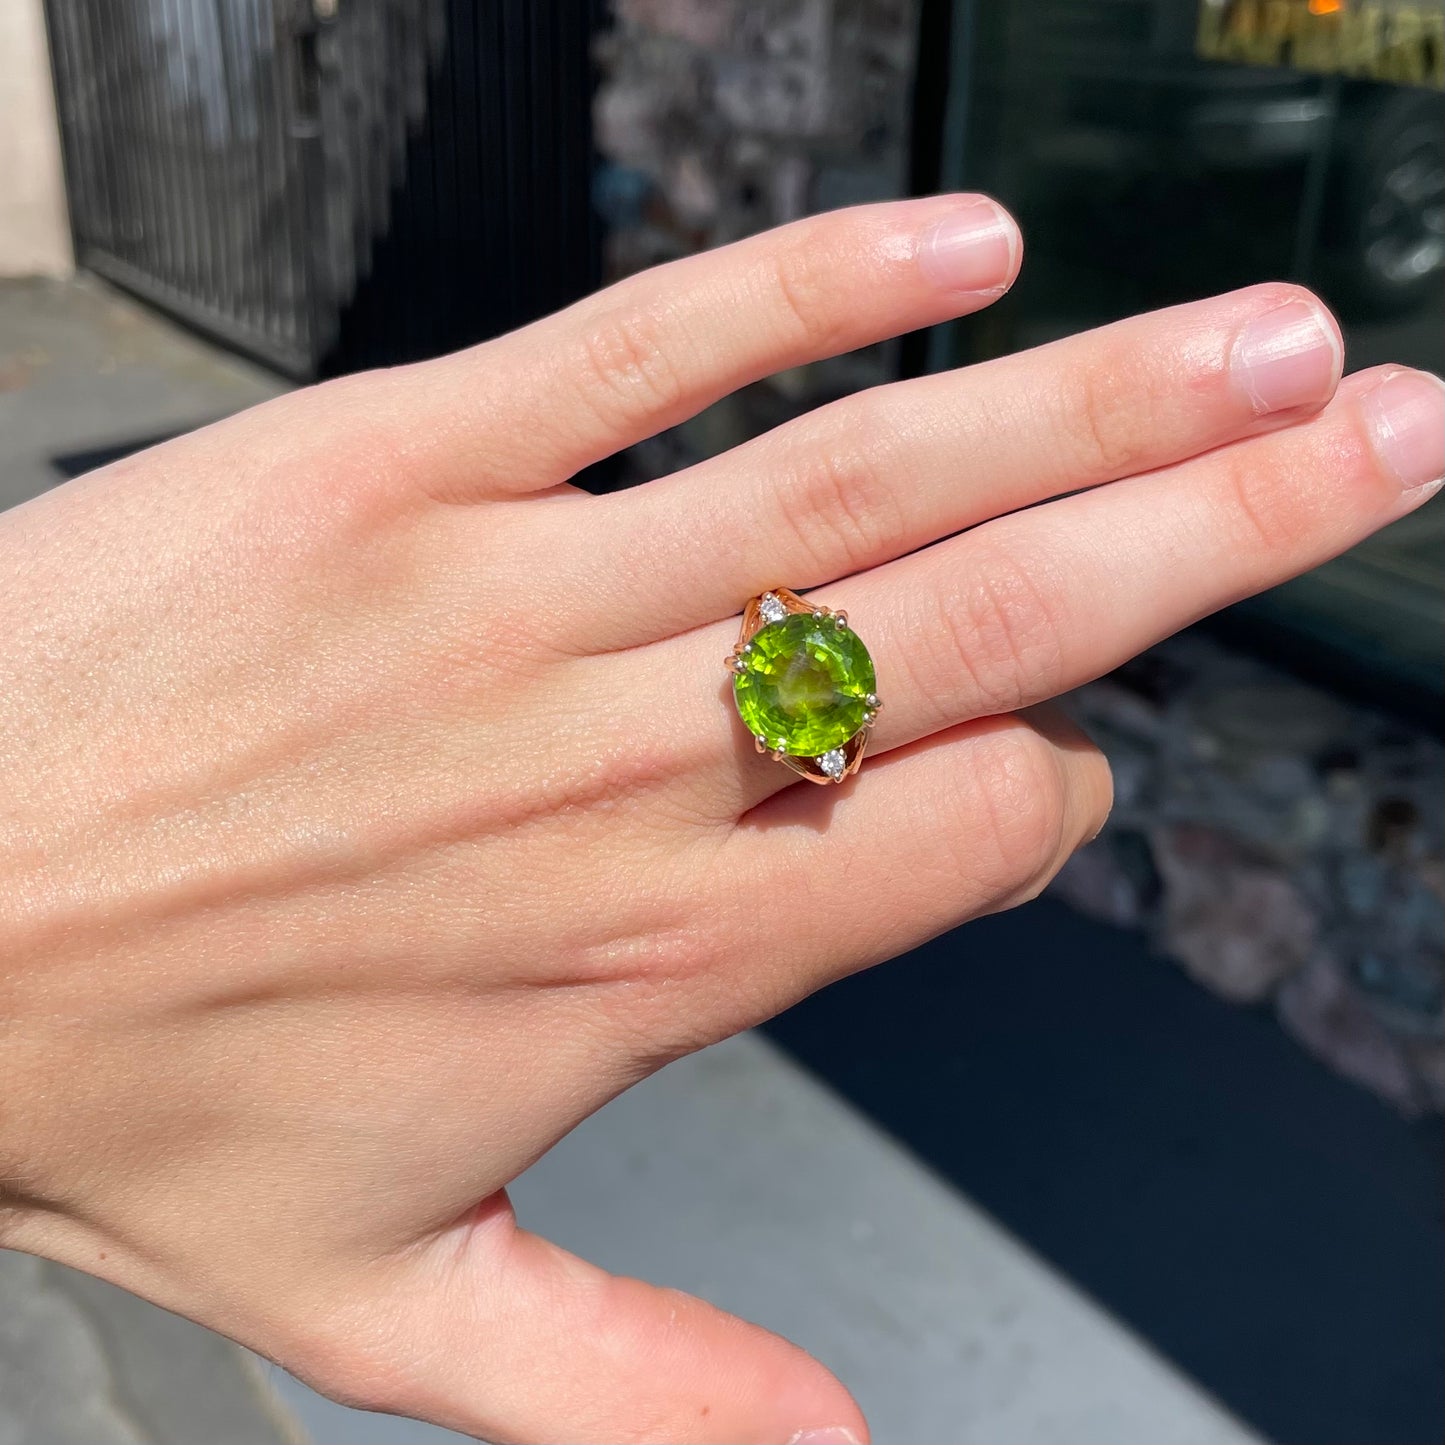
[
  {"x": 84, "y": 1363},
  {"x": 84, "y": 369},
  {"x": 734, "y": 1174}
]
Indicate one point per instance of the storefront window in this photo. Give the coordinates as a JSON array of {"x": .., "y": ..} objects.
[{"x": 1158, "y": 150}]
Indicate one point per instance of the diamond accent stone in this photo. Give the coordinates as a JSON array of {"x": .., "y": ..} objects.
[
  {"x": 833, "y": 763},
  {"x": 771, "y": 608}
]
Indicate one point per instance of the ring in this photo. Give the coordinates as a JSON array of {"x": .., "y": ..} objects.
[{"x": 804, "y": 685}]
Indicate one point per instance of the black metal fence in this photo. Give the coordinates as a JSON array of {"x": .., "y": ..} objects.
[{"x": 336, "y": 183}]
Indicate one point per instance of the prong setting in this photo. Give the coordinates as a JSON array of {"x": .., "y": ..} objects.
[{"x": 772, "y": 608}]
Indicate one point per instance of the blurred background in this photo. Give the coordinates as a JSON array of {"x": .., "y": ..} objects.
[{"x": 1156, "y": 1158}]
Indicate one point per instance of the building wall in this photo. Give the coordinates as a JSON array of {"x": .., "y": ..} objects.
[
  {"x": 718, "y": 118},
  {"x": 34, "y": 237}
]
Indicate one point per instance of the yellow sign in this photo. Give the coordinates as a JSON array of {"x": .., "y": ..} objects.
[{"x": 1403, "y": 44}]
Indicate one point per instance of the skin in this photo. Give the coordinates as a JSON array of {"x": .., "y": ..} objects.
[{"x": 373, "y": 809}]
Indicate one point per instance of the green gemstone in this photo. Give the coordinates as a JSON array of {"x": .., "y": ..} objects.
[{"x": 804, "y": 684}]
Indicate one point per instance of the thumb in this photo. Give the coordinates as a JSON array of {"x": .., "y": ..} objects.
[{"x": 501, "y": 1334}]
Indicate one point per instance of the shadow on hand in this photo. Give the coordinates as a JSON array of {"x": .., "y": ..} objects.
[{"x": 803, "y": 805}]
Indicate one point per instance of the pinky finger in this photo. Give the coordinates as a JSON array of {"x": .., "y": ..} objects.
[{"x": 962, "y": 823}]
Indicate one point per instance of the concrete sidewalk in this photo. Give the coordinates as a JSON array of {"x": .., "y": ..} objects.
[
  {"x": 733, "y": 1174},
  {"x": 84, "y": 368}
]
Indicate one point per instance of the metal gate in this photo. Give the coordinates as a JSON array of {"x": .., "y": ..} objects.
[{"x": 332, "y": 183}]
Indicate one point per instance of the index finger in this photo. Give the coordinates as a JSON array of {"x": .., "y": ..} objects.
[{"x": 532, "y": 409}]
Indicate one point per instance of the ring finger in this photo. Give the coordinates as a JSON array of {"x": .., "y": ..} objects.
[{"x": 1037, "y": 602}]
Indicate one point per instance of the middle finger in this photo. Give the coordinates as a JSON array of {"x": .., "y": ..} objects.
[{"x": 886, "y": 471}]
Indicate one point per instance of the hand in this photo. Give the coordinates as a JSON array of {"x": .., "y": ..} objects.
[{"x": 373, "y": 809}]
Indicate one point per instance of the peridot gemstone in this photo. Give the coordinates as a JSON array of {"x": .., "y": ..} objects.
[{"x": 804, "y": 684}]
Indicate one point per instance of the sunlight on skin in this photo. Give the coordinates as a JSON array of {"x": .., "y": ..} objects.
[{"x": 375, "y": 808}]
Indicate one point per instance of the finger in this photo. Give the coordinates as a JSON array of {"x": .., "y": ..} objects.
[
  {"x": 500, "y": 1334},
  {"x": 1035, "y": 603},
  {"x": 889, "y": 470},
  {"x": 532, "y": 409},
  {"x": 969, "y": 821}
]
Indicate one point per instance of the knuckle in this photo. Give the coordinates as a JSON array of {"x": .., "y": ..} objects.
[
  {"x": 843, "y": 512},
  {"x": 344, "y": 397},
  {"x": 1132, "y": 405},
  {"x": 327, "y": 458},
  {"x": 1088, "y": 779},
  {"x": 1024, "y": 806},
  {"x": 1074, "y": 792},
  {"x": 801, "y": 285},
  {"x": 999, "y": 627},
  {"x": 1106, "y": 411},
  {"x": 626, "y": 372},
  {"x": 1262, "y": 512},
  {"x": 1094, "y": 796},
  {"x": 355, "y": 415},
  {"x": 347, "y": 414}
]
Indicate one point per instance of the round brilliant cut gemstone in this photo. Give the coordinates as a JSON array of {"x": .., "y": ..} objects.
[{"x": 805, "y": 685}]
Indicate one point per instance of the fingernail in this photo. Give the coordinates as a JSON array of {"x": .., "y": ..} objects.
[
  {"x": 1406, "y": 413},
  {"x": 973, "y": 248},
  {"x": 827, "y": 1435},
  {"x": 1288, "y": 357}
]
